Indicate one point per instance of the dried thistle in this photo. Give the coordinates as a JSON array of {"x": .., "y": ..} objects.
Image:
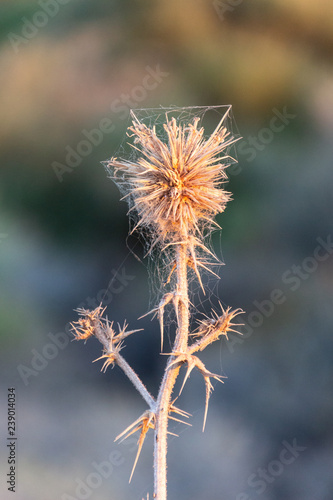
[
  {"x": 175, "y": 189},
  {"x": 175, "y": 186}
]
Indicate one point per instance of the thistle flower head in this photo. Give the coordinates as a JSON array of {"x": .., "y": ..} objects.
[{"x": 174, "y": 186}]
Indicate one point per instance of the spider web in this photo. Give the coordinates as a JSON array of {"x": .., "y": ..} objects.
[{"x": 159, "y": 264}]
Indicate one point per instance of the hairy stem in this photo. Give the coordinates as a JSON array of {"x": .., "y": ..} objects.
[
  {"x": 170, "y": 376},
  {"x": 141, "y": 388}
]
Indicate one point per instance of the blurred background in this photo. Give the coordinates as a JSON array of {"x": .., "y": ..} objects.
[{"x": 69, "y": 72}]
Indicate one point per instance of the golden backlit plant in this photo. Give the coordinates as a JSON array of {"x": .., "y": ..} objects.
[{"x": 174, "y": 188}]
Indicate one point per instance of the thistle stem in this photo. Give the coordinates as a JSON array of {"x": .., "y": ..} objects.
[
  {"x": 170, "y": 376},
  {"x": 183, "y": 307},
  {"x": 136, "y": 381}
]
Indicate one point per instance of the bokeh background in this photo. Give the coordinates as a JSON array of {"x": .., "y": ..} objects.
[{"x": 69, "y": 72}]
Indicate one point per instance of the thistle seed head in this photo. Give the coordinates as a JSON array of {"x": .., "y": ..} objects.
[{"x": 175, "y": 186}]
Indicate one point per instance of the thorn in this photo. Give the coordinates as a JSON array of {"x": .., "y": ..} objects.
[
  {"x": 110, "y": 359},
  {"x": 183, "y": 413},
  {"x": 171, "y": 272},
  {"x": 209, "y": 388},
  {"x": 195, "y": 267},
  {"x": 181, "y": 421},
  {"x": 159, "y": 310},
  {"x": 201, "y": 264},
  {"x": 173, "y": 434},
  {"x": 193, "y": 361},
  {"x": 198, "y": 243},
  {"x": 145, "y": 422}
]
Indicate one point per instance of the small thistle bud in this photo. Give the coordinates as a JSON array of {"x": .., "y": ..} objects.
[{"x": 87, "y": 323}]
